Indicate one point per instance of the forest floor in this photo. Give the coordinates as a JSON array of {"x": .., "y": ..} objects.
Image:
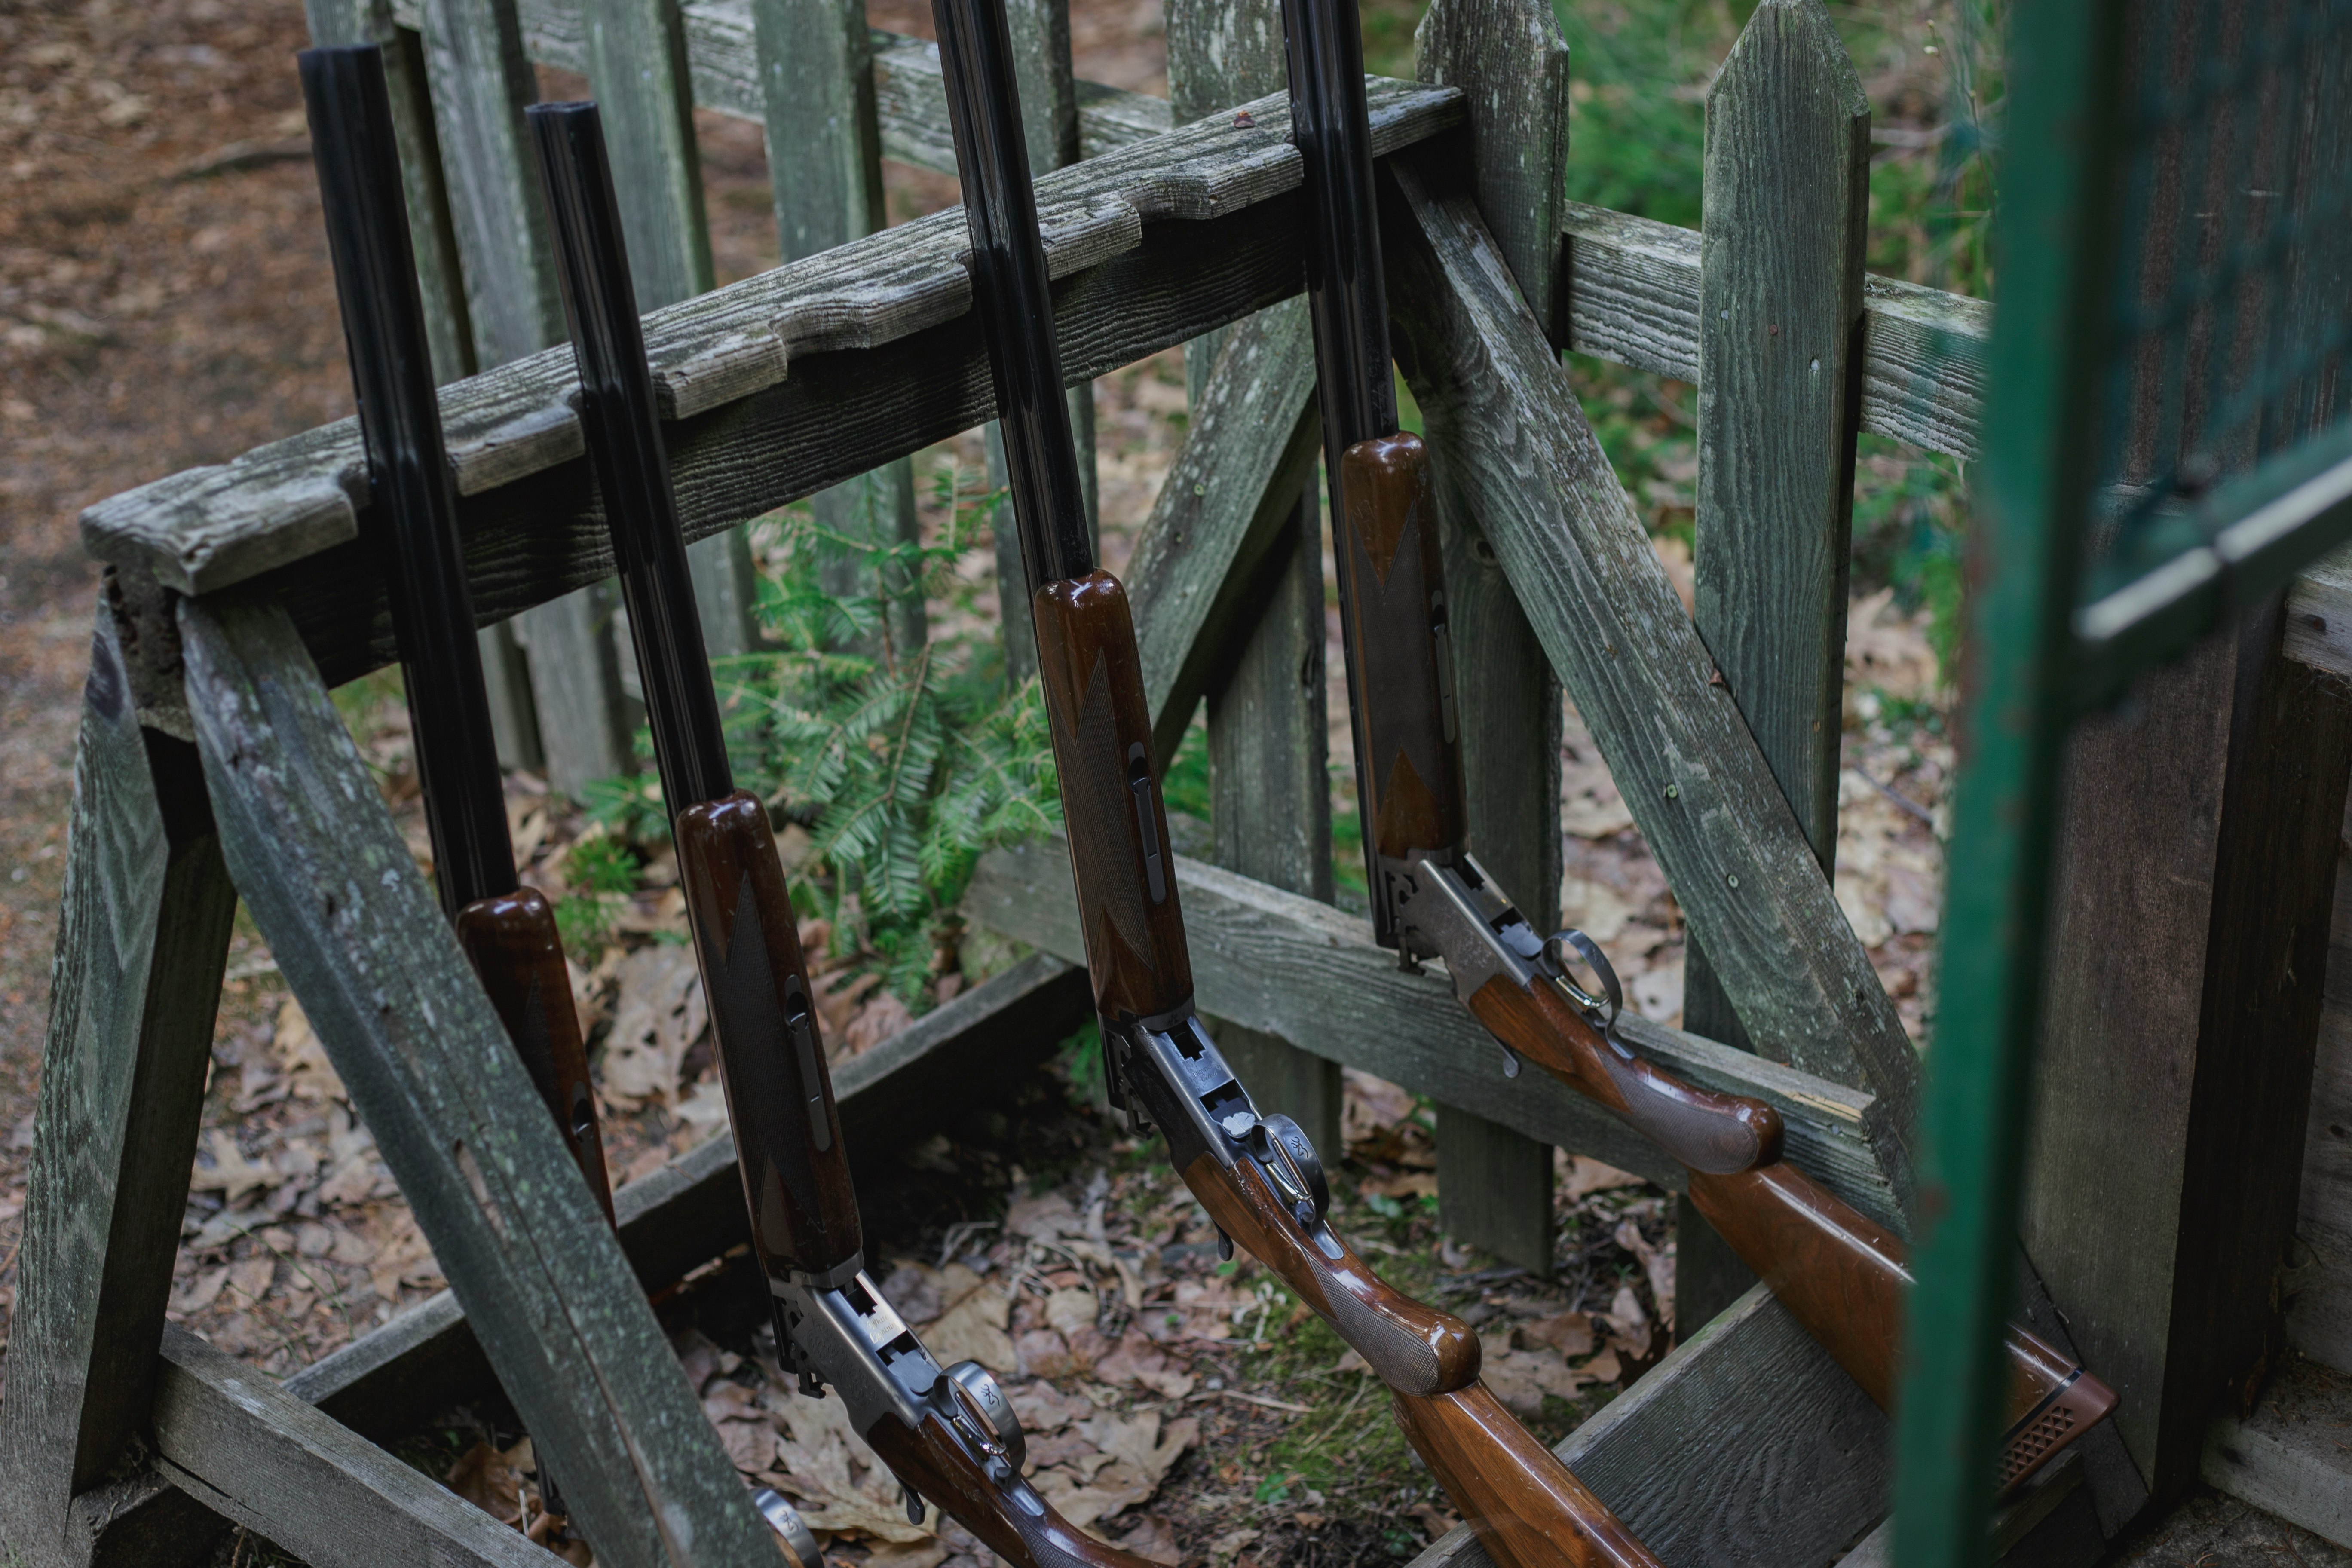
[{"x": 165, "y": 301}]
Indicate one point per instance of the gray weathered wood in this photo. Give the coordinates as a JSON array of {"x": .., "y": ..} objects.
[
  {"x": 825, "y": 166},
  {"x": 514, "y": 712},
  {"x": 1250, "y": 446},
  {"x": 355, "y": 932},
  {"x": 1510, "y": 443},
  {"x": 1221, "y": 53},
  {"x": 2319, "y": 615},
  {"x": 746, "y": 437},
  {"x": 691, "y": 1210},
  {"x": 1511, "y": 62},
  {"x": 1296, "y": 967},
  {"x": 1507, "y": 699},
  {"x": 1632, "y": 295},
  {"x": 148, "y": 907},
  {"x": 1270, "y": 792},
  {"x": 2289, "y": 1457},
  {"x": 638, "y": 65},
  {"x": 2319, "y": 1293},
  {"x": 1747, "y": 1444},
  {"x": 241, "y": 1445},
  {"x": 1780, "y": 277},
  {"x": 580, "y": 700},
  {"x": 1510, "y": 59},
  {"x": 439, "y": 280}
]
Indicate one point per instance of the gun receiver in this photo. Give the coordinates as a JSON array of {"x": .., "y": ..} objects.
[
  {"x": 948, "y": 1433},
  {"x": 1258, "y": 1175},
  {"x": 1840, "y": 1273}
]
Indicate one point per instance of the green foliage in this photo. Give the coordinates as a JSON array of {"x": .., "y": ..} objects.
[
  {"x": 1908, "y": 511},
  {"x": 1185, "y": 786},
  {"x": 602, "y": 872},
  {"x": 906, "y": 764},
  {"x": 1081, "y": 1062}
]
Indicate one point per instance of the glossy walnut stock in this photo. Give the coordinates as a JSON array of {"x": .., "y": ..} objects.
[
  {"x": 770, "y": 1055},
  {"x": 1399, "y": 665},
  {"x": 1411, "y": 1347},
  {"x": 932, "y": 1462},
  {"x": 1125, "y": 872},
  {"x": 1704, "y": 1130},
  {"x": 1844, "y": 1278},
  {"x": 1512, "y": 1490},
  {"x": 511, "y": 941}
]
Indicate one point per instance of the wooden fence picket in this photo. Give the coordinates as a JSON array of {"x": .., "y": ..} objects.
[
  {"x": 825, "y": 166},
  {"x": 1495, "y": 1184},
  {"x": 1787, "y": 203}
]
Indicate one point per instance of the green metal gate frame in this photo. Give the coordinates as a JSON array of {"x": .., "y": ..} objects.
[{"x": 2081, "y": 579}]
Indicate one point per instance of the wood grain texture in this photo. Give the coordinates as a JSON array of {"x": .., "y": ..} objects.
[
  {"x": 2319, "y": 1293},
  {"x": 1249, "y": 447},
  {"x": 824, "y": 169},
  {"x": 2287, "y": 1456},
  {"x": 1511, "y": 62},
  {"x": 1632, "y": 295},
  {"x": 1495, "y": 1184},
  {"x": 2211, "y": 818},
  {"x": 238, "y": 1442},
  {"x": 1746, "y": 1445},
  {"x": 1788, "y": 202},
  {"x": 1780, "y": 277},
  {"x": 2319, "y": 615},
  {"x": 148, "y": 906},
  {"x": 209, "y": 527},
  {"x": 440, "y": 280},
  {"x": 333, "y": 888},
  {"x": 691, "y": 1210},
  {"x": 1510, "y": 443},
  {"x": 1297, "y": 968}
]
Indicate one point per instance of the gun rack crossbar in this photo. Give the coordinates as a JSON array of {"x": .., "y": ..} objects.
[{"x": 211, "y": 766}]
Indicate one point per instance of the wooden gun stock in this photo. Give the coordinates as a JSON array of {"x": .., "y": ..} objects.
[
  {"x": 1126, "y": 871},
  {"x": 511, "y": 940},
  {"x": 1411, "y": 1346},
  {"x": 1845, "y": 1278},
  {"x": 1016, "y": 1524},
  {"x": 770, "y": 1057},
  {"x": 1840, "y": 1274},
  {"x": 1516, "y": 1507}
]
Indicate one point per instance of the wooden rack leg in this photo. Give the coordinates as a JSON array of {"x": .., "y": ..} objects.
[
  {"x": 148, "y": 909},
  {"x": 360, "y": 941}
]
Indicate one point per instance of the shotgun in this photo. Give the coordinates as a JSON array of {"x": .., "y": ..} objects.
[
  {"x": 1843, "y": 1276},
  {"x": 507, "y": 930},
  {"x": 948, "y": 1433},
  {"x": 1258, "y": 1175}
]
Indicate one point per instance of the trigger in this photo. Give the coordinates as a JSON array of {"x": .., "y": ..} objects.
[{"x": 1225, "y": 1245}]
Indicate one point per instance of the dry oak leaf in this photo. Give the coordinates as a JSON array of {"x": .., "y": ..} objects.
[
  {"x": 308, "y": 1074},
  {"x": 1569, "y": 1335},
  {"x": 842, "y": 1485},
  {"x": 1657, "y": 1263},
  {"x": 1043, "y": 1217},
  {"x": 911, "y": 1555},
  {"x": 971, "y": 1325},
  {"x": 485, "y": 1478},
  {"x": 657, "y": 1016},
  {"x": 231, "y": 1174},
  {"x": 1136, "y": 1360},
  {"x": 876, "y": 1022},
  {"x": 1071, "y": 1309},
  {"x": 403, "y": 1257},
  {"x": 1586, "y": 1175},
  {"x": 1403, "y": 1184},
  {"x": 1154, "y": 1540},
  {"x": 1629, "y": 1325}
]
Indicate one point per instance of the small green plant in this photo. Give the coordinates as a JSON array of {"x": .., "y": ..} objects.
[{"x": 905, "y": 762}]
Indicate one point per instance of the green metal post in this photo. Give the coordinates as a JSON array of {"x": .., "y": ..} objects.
[{"x": 2054, "y": 244}]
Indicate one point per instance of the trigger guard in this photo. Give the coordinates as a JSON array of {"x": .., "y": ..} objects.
[{"x": 1612, "y": 996}]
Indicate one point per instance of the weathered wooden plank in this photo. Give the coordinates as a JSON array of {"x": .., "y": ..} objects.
[
  {"x": 207, "y": 528},
  {"x": 330, "y": 886},
  {"x": 1296, "y": 967},
  {"x": 1632, "y": 295},
  {"x": 1746, "y": 1445},
  {"x": 637, "y": 67},
  {"x": 439, "y": 282},
  {"x": 2319, "y": 615},
  {"x": 235, "y": 1440},
  {"x": 1780, "y": 274},
  {"x": 824, "y": 167},
  {"x": 1511, "y": 62},
  {"x": 2289, "y": 1457},
  {"x": 148, "y": 907},
  {"x": 2179, "y": 1093},
  {"x": 691, "y": 1210},
  {"x": 1495, "y": 1184},
  {"x": 1508, "y": 438},
  {"x": 1249, "y": 449}
]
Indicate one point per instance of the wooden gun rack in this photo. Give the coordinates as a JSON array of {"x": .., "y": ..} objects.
[{"x": 212, "y": 767}]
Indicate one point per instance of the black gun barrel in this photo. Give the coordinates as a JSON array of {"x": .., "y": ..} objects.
[
  {"x": 623, "y": 428},
  {"x": 1346, "y": 295},
  {"x": 411, "y": 511},
  {"x": 1012, "y": 292}
]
